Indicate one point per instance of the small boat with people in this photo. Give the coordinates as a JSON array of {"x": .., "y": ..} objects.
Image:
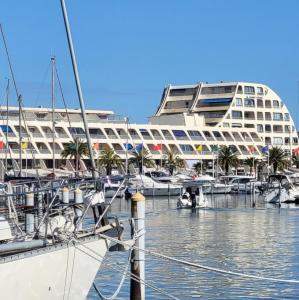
[
  {"x": 280, "y": 189},
  {"x": 192, "y": 197}
]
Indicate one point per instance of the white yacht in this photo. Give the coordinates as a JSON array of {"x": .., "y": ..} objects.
[
  {"x": 150, "y": 187},
  {"x": 242, "y": 184},
  {"x": 280, "y": 189}
]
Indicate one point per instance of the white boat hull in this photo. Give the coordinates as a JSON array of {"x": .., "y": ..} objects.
[
  {"x": 55, "y": 272},
  {"x": 216, "y": 189},
  {"x": 158, "y": 191}
]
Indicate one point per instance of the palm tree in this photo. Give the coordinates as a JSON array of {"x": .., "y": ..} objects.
[
  {"x": 75, "y": 149},
  {"x": 227, "y": 157},
  {"x": 198, "y": 167},
  {"x": 173, "y": 161},
  {"x": 142, "y": 158},
  {"x": 109, "y": 159},
  {"x": 278, "y": 158},
  {"x": 251, "y": 163}
]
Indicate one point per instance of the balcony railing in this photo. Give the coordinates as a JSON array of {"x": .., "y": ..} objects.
[
  {"x": 196, "y": 138},
  {"x": 182, "y": 138},
  {"x": 168, "y": 137},
  {"x": 97, "y": 136},
  {"x": 44, "y": 151},
  {"x": 36, "y": 134},
  {"x": 146, "y": 137}
]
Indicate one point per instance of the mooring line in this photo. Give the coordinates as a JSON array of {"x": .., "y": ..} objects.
[{"x": 199, "y": 266}]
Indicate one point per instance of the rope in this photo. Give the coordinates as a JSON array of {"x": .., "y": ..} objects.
[
  {"x": 199, "y": 266},
  {"x": 132, "y": 276},
  {"x": 115, "y": 294}
]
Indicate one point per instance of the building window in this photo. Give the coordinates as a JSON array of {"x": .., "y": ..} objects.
[
  {"x": 249, "y": 125},
  {"x": 260, "y": 103},
  {"x": 260, "y": 115},
  {"x": 225, "y": 124},
  {"x": 276, "y": 103},
  {"x": 287, "y": 141},
  {"x": 186, "y": 148},
  {"x": 238, "y": 102},
  {"x": 277, "y": 141},
  {"x": 287, "y": 117},
  {"x": 295, "y": 140},
  {"x": 236, "y": 114},
  {"x": 249, "y": 89},
  {"x": 277, "y": 116},
  {"x": 268, "y": 128},
  {"x": 260, "y": 90},
  {"x": 268, "y": 104},
  {"x": 259, "y": 128},
  {"x": 249, "y": 102},
  {"x": 240, "y": 91},
  {"x": 180, "y": 134}
]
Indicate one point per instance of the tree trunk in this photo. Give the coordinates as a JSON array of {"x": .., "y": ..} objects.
[
  {"x": 171, "y": 170},
  {"x": 226, "y": 169},
  {"x": 140, "y": 169},
  {"x": 108, "y": 170},
  {"x": 275, "y": 166}
]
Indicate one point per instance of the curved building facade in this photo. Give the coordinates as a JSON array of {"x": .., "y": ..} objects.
[{"x": 245, "y": 116}]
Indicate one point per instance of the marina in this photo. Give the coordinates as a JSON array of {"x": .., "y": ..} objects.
[{"x": 200, "y": 201}]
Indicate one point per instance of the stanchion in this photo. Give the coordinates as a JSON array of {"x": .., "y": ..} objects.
[{"x": 137, "y": 288}]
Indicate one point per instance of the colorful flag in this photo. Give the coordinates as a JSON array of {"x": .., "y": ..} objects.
[
  {"x": 251, "y": 149},
  {"x": 24, "y": 145},
  {"x": 138, "y": 148},
  {"x": 128, "y": 147},
  {"x": 265, "y": 150},
  {"x": 1, "y": 145},
  {"x": 157, "y": 147},
  {"x": 214, "y": 148},
  {"x": 199, "y": 148},
  {"x": 296, "y": 150},
  {"x": 96, "y": 146}
]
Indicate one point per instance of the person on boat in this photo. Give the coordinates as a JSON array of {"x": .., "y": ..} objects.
[{"x": 186, "y": 196}]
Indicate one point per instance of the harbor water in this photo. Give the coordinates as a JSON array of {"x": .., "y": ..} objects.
[{"x": 229, "y": 235}]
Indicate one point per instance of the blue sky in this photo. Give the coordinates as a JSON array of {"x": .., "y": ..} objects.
[{"x": 127, "y": 51}]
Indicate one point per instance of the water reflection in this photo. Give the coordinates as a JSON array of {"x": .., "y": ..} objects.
[{"x": 230, "y": 234}]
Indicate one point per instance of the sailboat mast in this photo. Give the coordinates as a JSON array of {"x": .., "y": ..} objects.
[
  {"x": 6, "y": 131},
  {"x": 53, "y": 110},
  {"x": 78, "y": 85}
]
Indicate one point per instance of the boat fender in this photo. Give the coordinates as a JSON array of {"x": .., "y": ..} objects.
[
  {"x": 78, "y": 196},
  {"x": 65, "y": 195}
]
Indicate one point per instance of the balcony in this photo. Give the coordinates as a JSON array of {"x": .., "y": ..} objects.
[
  {"x": 36, "y": 134},
  {"x": 146, "y": 137},
  {"x": 97, "y": 136},
  {"x": 44, "y": 150}
]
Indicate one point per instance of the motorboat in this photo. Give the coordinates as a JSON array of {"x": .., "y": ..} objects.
[
  {"x": 112, "y": 185},
  {"x": 280, "y": 189},
  {"x": 161, "y": 176},
  {"x": 242, "y": 184},
  {"x": 192, "y": 197},
  {"x": 151, "y": 187},
  {"x": 211, "y": 186}
]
